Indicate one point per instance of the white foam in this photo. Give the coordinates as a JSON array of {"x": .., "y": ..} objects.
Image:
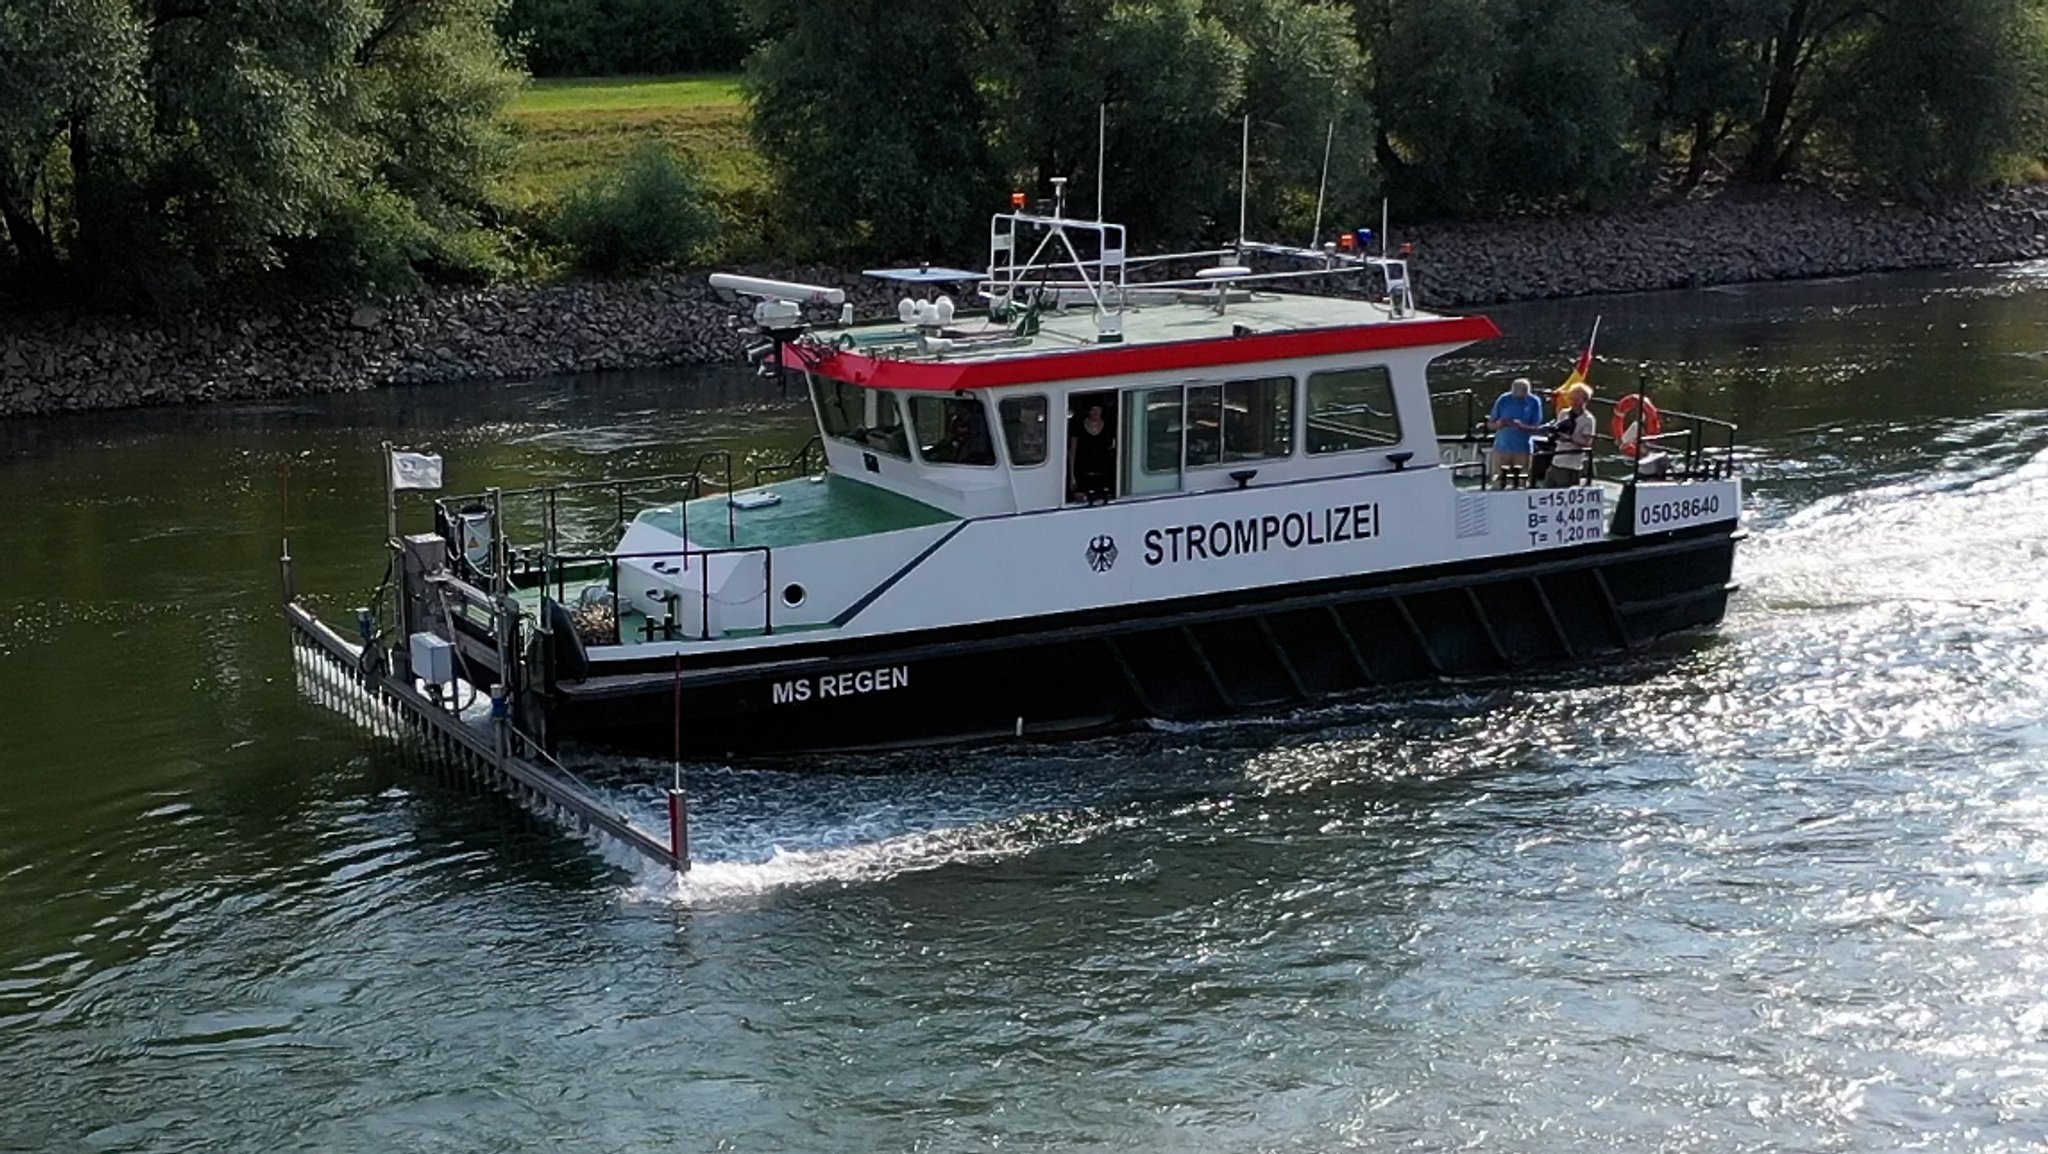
[{"x": 717, "y": 883}]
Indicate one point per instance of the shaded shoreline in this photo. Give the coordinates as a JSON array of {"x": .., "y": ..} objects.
[{"x": 66, "y": 361}]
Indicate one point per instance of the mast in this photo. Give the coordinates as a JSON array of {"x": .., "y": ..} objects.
[
  {"x": 1244, "y": 173},
  {"x": 1316, "y": 237},
  {"x": 1101, "y": 150}
]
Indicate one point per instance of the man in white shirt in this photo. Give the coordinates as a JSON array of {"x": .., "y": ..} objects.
[{"x": 1573, "y": 433}]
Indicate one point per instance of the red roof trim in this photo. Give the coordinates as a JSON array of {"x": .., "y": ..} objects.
[{"x": 1119, "y": 360}]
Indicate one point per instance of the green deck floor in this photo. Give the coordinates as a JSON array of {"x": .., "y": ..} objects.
[{"x": 811, "y": 510}]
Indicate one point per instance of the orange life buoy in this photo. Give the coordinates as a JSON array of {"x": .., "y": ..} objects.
[{"x": 1628, "y": 432}]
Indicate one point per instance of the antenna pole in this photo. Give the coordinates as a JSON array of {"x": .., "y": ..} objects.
[
  {"x": 1386, "y": 215},
  {"x": 1101, "y": 150},
  {"x": 1244, "y": 173},
  {"x": 1329, "y": 139},
  {"x": 390, "y": 499}
]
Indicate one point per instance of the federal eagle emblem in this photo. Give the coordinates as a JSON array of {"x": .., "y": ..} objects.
[{"x": 1102, "y": 553}]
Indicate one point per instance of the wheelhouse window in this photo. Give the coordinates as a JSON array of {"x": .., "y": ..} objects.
[
  {"x": 865, "y": 417},
  {"x": 842, "y": 408},
  {"x": 885, "y": 432},
  {"x": 1240, "y": 421},
  {"x": 1161, "y": 417},
  {"x": 1351, "y": 409},
  {"x": 1024, "y": 429},
  {"x": 952, "y": 430}
]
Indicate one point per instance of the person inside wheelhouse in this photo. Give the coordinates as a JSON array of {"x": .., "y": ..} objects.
[
  {"x": 1091, "y": 452},
  {"x": 952, "y": 431}
]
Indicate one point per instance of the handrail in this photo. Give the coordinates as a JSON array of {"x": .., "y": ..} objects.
[
  {"x": 561, "y": 562},
  {"x": 1698, "y": 459},
  {"x": 798, "y": 465},
  {"x": 1471, "y": 397},
  {"x": 449, "y": 509},
  {"x": 578, "y": 486},
  {"x": 732, "y": 530}
]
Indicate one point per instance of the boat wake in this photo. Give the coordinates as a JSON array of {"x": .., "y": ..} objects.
[
  {"x": 723, "y": 882},
  {"x": 854, "y": 821},
  {"x": 1967, "y": 533}
]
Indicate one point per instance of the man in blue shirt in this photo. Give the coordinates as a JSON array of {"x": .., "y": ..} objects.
[{"x": 1515, "y": 415}]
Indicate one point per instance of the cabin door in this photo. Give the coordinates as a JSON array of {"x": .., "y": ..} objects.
[{"x": 1151, "y": 440}]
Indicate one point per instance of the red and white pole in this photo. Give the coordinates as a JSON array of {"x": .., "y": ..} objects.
[
  {"x": 678, "y": 809},
  {"x": 679, "y": 829}
]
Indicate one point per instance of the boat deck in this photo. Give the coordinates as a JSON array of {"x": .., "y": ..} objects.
[
  {"x": 1149, "y": 317},
  {"x": 807, "y": 510}
]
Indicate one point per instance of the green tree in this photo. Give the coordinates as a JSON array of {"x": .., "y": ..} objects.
[
  {"x": 873, "y": 126},
  {"x": 1167, "y": 77},
  {"x": 1948, "y": 96},
  {"x": 66, "y": 67},
  {"x": 1492, "y": 104},
  {"x": 1807, "y": 46},
  {"x": 1173, "y": 78},
  {"x": 435, "y": 78},
  {"x": 1569, "y": 105},
  {"x": 652, "y": 212},
  {"x": 616, "y": 37},
  {"x": 1304, "y": 88},
  {"x": 1703, "y": 71},
  {"x": 1435, "y": 71},
  {"x": 318, "y": 144}
]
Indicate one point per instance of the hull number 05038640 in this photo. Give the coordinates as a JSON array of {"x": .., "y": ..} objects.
[{"x": 1678, "y": 511}]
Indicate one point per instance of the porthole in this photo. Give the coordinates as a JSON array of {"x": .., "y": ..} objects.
[{"x": 793, "y": 595}]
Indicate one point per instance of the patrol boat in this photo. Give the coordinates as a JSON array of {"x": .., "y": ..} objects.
[{"x": 1091, "y": 501}]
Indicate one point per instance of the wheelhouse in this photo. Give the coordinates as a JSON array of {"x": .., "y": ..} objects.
[{"x": 1206, "y": 383}]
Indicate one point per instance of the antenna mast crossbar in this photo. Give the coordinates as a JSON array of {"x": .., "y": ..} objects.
[{"x": 1102, "y": 275}]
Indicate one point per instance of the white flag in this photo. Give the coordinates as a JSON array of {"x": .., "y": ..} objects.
[{"x": 415, "y": 470}]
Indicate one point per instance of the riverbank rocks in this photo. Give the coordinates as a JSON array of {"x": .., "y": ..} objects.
[{"x": 64, "y": 361}]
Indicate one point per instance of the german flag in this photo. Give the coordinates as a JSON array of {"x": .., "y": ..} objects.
[{"x": 1580, "y": 372}]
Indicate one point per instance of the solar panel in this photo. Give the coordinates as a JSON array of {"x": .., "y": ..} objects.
[{"x": 925, "y": 275}]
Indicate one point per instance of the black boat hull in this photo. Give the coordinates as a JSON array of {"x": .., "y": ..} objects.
[{"x": 1257, "y": 651}]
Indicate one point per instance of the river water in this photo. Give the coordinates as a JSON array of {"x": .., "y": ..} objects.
[{"x": 1784, "y": 887}]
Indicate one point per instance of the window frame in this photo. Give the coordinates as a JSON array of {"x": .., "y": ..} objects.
[
  {"x": 1308, "y": 412},
  {"x": 819, "y": 385},
  {"x": 1288, "y": 394},
  {"x": 1178, "y": 425},
  {"x": 1044, "y": 419},
  {"x": 902, "y": 427},
  {"x": 945, "y": 403}
]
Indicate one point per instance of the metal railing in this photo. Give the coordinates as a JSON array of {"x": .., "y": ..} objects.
[
  {"x": 1704, "y": 447},
  {"x": 523, "y": 561},
  {"x": 798, "y": 465},
  {"x": 714, "y": 472},
  {"x": 670, "y": 630}
]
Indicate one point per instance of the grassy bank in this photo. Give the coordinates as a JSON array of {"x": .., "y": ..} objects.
[{"x": 571, "y": 130}]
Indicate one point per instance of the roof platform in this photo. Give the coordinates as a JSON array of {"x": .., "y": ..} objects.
[
  {"x": 1062, "y": 303},
  {"x": 1163, "y": 334}
]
